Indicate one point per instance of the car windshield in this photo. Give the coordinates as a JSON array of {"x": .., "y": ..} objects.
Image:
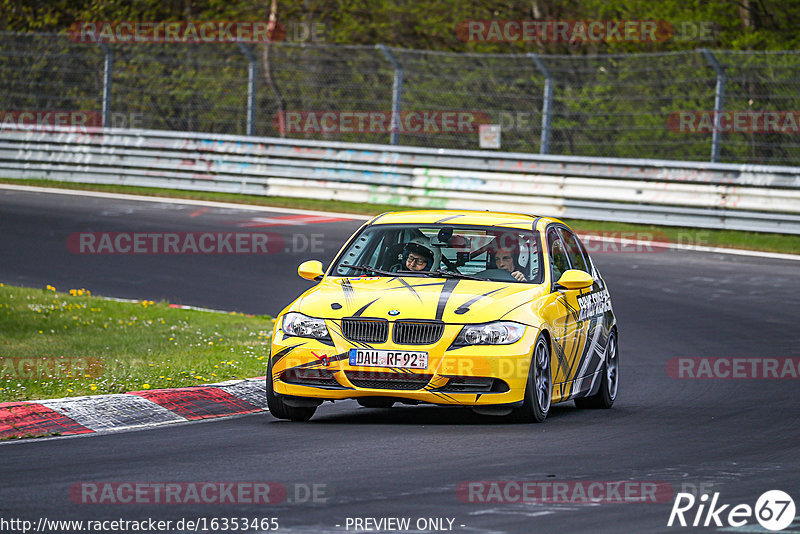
[{"x": 480, "y": 252}]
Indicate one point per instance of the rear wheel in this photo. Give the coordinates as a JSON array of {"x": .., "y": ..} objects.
[
  {"x": 609, "y": 381},
  {"x": 280, "y": 409},
  {"x": 539, "y": 389}
]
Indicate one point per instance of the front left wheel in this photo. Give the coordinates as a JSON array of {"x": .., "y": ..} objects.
[
  {"x": 280, "y": 409},
  {"x": 539, "y": 389}
]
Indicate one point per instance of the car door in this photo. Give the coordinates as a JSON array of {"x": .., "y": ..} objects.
[
  {"x": 562, "y": 312},
  {"x": 593, "y": 303}
]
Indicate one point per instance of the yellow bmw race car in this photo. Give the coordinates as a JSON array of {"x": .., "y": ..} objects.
[{"x": 501, "y": 312}]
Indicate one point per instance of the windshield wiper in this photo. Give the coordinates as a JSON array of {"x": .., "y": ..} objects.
[
  {"x": 367, "y": 269},
  {"x": 456, "y": 275}
]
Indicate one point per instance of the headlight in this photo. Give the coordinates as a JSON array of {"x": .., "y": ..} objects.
[
  {"x": 297, "y": 324},
  {"x": 499, "y": 333}
]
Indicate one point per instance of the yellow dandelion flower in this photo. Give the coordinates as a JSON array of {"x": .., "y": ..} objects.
[{"x": 146, "y": 386}]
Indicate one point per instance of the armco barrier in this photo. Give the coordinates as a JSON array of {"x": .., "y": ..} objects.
[{"x": 704, "y": 195}]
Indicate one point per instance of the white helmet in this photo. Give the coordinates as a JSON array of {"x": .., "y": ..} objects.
[{"x": 422, "y": 245}]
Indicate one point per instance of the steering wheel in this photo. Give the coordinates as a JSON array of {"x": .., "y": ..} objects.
[
  {"x": 392, "y": 257},
  {"x": 497, "y": 275}
]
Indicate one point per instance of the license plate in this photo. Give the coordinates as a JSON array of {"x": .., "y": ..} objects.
[{"x": 389, "y": 358}]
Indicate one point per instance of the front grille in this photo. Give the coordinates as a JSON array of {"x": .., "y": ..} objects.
[
  {"x": 365, "y": 330},
  {"x": 376, "y": 380},
  {"x": 417, "y": 333},
  {"x": 310, "y": 377}
]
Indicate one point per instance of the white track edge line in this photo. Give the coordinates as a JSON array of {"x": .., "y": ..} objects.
[
  {"x": 188, "y": 201},
  {"x": 351, "y": 216}
]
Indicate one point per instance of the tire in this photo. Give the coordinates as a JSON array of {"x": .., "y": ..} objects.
[
  {"x": 609, "y": 382},
  {"x": 278, "y": 408},
  {"x": 539, "y": 388}
]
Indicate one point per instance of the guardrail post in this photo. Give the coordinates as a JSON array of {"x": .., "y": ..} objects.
[
  {"x": 397, "y": 92},
  {"x": 108, "y": 65},
  {"x": 252, "y": 70},
  {"x": 547, "y": 104},
  {"x": 719, "y": 97}
]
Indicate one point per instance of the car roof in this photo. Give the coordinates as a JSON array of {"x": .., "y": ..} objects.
[{"x": 484, "y": 218}]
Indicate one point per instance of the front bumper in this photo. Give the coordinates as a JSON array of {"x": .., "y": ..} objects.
[{"x": 476, "y": 375}]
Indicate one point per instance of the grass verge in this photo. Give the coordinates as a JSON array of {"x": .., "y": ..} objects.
[
  {"x": 56, "y": 344},
  {"x": 788, "y": 244}
]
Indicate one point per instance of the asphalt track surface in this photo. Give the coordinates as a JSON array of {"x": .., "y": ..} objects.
[{"x": 736, "y": 437}]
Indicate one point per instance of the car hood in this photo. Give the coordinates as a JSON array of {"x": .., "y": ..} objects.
[{"x": 450, "y": 300}]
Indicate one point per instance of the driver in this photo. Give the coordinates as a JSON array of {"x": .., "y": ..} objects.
[
  {"x": 417, "y": 257},
  {"x": 506, "y": 259}
]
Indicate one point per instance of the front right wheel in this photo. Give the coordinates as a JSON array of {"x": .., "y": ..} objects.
[
  {"x": 539, "y": 389},
  {"x": 280, "y": 409}
]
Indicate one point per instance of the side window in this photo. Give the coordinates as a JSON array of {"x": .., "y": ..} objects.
[
  {"x": 574, "y": 251},
  {"x": 558, "y": 255}
]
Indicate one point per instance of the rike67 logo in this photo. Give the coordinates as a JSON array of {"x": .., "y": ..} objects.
[{"x": 774, "y": 510}]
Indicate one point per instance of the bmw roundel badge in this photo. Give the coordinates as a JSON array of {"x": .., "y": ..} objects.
[{"x": 394, "y": 312}]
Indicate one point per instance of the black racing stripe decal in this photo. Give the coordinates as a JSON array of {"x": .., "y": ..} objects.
[
  {"x": 574, "y": 360},
  {"x": 338, "y": 330},
  {"x": 419, "y": 285},
  {"x": 364, "y": 308},
  {"x": 348, "y": 290},
  {"x": 577, "y": 344},
  {"x": 283, "y": 352},
  {"x": 409, "y": 287},
  {"x": 562, "y": 359},
  {"x": 443, "y": 396},
  {"x": 447, "y": 290},
  {"x": 450, "y": 218},
  {"x": 464, "y": 308},
  {"x": 376, "y": 218},
  {"x": 586, "y": 356},
  {"x": 319, "y": 363}
]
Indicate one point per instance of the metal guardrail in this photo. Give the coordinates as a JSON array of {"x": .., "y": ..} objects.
[{"x": 703, "y": 195}]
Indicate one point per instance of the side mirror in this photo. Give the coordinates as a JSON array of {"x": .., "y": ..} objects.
[
  {"x": 575, "y": 279},
  {"x": 311, "y": 270}
]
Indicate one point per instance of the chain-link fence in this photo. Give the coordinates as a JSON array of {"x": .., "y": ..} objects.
[{"x": 638, "y": 105}]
